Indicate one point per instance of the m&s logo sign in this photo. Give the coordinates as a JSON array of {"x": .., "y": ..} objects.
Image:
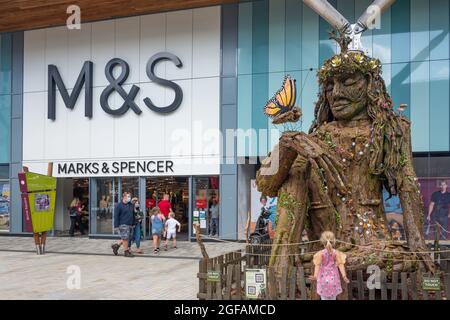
[{"x": 115, "y": 84}]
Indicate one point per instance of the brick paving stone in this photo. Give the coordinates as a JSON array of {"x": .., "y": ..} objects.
[{"x": 169, "y": 275}]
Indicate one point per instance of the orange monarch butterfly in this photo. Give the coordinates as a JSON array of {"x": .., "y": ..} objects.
[{"x": 283, "y": 100}]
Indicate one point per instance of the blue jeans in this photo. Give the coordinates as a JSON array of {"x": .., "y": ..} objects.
[
  {"x": 214, "y": 226},
  {"x": 136, "y": 235}
]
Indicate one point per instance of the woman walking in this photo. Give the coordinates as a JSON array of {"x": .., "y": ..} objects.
[
  {"x": 136, "y": 234},
  {"x": 75, "y": 215}
]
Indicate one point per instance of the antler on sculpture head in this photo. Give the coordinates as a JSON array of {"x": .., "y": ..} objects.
[
  {"x": 324, "y": 9},
  {"x": 341, "y": 24}
]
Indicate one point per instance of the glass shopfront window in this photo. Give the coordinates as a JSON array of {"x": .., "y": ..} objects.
[
  {"x": 131, "y": 185},
  {"x": 206, "y": 205},
  {"x": 4, "y": 205},
  {"x": 107, "y": 192},
  {"x": 105, "y": 196},
  {"x": 5, "y": 96}
]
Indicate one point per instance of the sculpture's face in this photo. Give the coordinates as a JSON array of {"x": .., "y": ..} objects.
[{"x": 347, "y": 97}]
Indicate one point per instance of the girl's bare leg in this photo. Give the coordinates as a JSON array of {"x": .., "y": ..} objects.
[{"x": 155, "y": 242}]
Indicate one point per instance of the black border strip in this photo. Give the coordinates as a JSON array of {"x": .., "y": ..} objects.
[{"x": 431, "y": 154}]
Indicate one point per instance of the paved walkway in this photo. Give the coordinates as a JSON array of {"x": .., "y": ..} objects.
[{"x": 169, "y": 275}]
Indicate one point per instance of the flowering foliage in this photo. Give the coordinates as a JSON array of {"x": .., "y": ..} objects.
[{"x": 348, "y": 63}]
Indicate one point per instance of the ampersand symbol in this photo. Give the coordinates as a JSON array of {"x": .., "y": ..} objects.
[
  {"x": 105, "y": 168},
  {"x": 115, "y": 85}
]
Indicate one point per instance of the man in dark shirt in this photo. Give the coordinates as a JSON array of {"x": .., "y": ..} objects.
[
  {"x": 439, "y": 208},
  {"x": 123, "y": 223}
]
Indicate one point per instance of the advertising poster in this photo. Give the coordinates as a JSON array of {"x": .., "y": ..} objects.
[
  {"x": 200, "y": 204},
  {"x": 255, "y": 283},
  {"x": 4, "y": 206},
  {"x": 436, "y": 199},
  {"x": 42, "y": 211},
  {"x": 195, "y": 220},
  {"x": 394, "y": 215},
  {"x": 258, "y": 201},
  {"x": 202, "y": 216}
]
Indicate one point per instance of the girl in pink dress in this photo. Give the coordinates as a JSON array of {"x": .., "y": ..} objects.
[{"x": 326, "y": 265}]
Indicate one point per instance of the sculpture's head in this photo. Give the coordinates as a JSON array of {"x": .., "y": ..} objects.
[
  {"x": 350, "y": 84},
  {"x": 347, "y": 96},
  {"x": 351, "y": 88}
]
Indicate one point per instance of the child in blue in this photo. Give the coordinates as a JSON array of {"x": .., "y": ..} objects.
[{"x": 157, "y": 220}]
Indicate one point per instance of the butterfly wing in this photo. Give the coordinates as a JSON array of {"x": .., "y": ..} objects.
[
  {"x": 293, "y": 93},
  {"x": 286, "y": 96},
  {"x": 272, "y": 109},
  {"x": 284, "y": 99},
  {"x": 281, "y": 95}
]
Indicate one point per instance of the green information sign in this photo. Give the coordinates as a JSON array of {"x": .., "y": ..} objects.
[
  {"x": 213, "y": 276},
  {"x": 37, "y": 182},
  {"x": 431, "y": 284},
  {"x": 38, "y": 201}
]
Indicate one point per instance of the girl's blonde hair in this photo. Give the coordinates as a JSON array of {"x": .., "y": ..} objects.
[
  {"x": 155, "y": 211},
  {"x": 328, "y": 240},
  {"x": 75, "y": 202}
]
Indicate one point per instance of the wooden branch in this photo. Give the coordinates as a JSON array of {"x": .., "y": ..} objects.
[
  {"x": 199, "y": 241},
  {"x": 50, "y": 169},
  {"x": 247, "y": 227}
]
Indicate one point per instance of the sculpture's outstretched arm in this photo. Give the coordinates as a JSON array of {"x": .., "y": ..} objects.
[{"x": 275, "y": 169}]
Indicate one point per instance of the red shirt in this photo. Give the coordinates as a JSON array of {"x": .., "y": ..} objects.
[{"x": 164, "y": 206}]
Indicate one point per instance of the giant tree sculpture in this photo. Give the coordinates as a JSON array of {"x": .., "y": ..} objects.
[{"x": 332, "y": 177}]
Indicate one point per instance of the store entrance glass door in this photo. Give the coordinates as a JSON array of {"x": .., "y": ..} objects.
[
  {"x": 206, "y": 206},
  {"x": 106, "y": 193},
  {"x": 104, "y": 199},
  {"x": 177, "y": 189}
]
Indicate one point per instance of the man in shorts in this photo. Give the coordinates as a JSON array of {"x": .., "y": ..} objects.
[
  {"x": 123, "y": 223},
  {"x": 171, "y": 230}
]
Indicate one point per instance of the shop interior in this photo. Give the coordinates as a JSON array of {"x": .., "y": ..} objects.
[
  {"x": 67, "y": 190},
  {"x": 178, "y": 190},
  {"x": 99, "y": 196}
]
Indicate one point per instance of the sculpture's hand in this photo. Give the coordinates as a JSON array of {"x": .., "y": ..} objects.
[
  {"x": 317, "y": 153},
  {"x": 290, "y": 116}
]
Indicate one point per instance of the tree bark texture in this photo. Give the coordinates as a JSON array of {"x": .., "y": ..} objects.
[{"x": 323, "y": 182}]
